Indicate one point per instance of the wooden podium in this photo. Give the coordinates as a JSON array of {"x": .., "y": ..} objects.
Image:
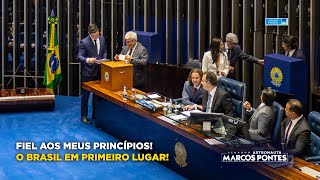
[{"x": 116, "y": 74}]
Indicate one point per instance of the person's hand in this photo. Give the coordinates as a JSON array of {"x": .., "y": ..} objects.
[
  {"x": 192, "y": 107},
  {"x": 247, "y": 105},
  {"x": 261, "y": 61},
  {"x": 231, "y": 69},
  {"x": 92, "y": 60},
  {"x": 128, "y": 58},
  {"x": 116, "y": 57}
]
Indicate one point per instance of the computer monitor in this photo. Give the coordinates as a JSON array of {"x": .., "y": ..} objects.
[
  {"x": 199, "y": 117},
  {"x": 234, "y": 127}
]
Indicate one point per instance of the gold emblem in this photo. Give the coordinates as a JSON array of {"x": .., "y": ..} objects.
[
  {"x": 276, "y": 76},
  {"x": 106, "y": 76},
  {"x": 181, "y": 154}
]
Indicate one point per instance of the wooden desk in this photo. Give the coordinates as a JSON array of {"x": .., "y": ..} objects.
[
  {"x": 128, "y": 121},
  {"x": 29, "y": 99}
]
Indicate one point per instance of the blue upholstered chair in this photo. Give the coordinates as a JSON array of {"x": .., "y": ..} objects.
[
  {"x": 275, "y": 136},
  {"x": 237, "y": 91},
  {"x": 194, "y": 63},
  {"x": 314, "y": 122}
]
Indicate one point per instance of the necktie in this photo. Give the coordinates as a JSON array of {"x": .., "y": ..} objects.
[
  {"x": 130, "y": 52},
  {"x": 96, "y": 46},
  {"x": 208, "y": 109},
  {"x": 229, "y": 54},
  {"x": 195, "y": 90},
  {"x": 287, "y": 133}
]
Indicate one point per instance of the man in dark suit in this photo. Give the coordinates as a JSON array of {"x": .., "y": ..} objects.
[
  {"x": 290, "y": 46},
  {"x": 192, "y": 89},
  {"x": 262, "y": 118},
  {"x": 214, "y": 99},
  {"x": 136, "y": 54},
  {"x": 295, "y": 130},
  {"x": 235, "y": 54},
  {"x": 91, "y": 49}
]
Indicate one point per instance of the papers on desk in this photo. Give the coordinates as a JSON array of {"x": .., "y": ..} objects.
[
  {"x": 310, "y": 172},
  {"x": 213, "y": 141},
  {"x": 153, "y": 96},
  {"x": 178, "y": 117},
  {"x": 122, "y": 57},
  {"x": 168, "y": 120},
  {"x": 187, "y": 113},
  {"x": 99, "y": 61}
]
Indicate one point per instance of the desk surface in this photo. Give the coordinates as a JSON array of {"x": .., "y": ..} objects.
[{"x": 115, "y": 97}]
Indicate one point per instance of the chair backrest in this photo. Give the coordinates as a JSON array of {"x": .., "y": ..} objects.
[
  {"x": 194, "y": 63},
  {"x": 237, "y": 91},
  {"x": 275, "y": 136},
  {"x": 314, "y": 122},
  {"x": 315, "y": 144}
]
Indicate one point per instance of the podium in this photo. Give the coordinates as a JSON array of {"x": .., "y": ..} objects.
[
  {"x": 116, "y": 74},
  {"x": 286, "y": 75},
  {"x": 152, "y": 42}
]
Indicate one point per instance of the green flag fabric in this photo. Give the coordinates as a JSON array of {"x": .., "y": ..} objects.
[{"x": 52, "y": 74}]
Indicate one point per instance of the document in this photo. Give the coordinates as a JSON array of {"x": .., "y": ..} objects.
[
  {"x": 310, "y": 172},
  {"x": 122, "y": 57},
  {"x": 153, "y": 96},
  {"x": 178, "y": 117},
  {"x": 213, "y": 141},
  {"x": 99, "y": 61},
  {"x": 187, "y": 113}
]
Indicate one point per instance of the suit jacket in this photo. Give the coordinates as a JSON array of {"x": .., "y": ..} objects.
[
  {"x": 91, "y": 71},
  {"x": 221, "y": 102},
  {"x": 139, "y": 60},
  {"x": 189, "y": 96},
  {"x": 261, "y": 121},
  {"x": 298, "y": 53},
  {"x": 238, "y": 54},
  {"x": 299, "y": 140}
]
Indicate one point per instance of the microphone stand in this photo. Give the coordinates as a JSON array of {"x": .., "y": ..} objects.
[
  {"x": 35, "y": 82},
  {"x": 15, "y": 73}
]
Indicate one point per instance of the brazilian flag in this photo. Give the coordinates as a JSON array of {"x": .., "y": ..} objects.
[{"x": 52, "y": 74}]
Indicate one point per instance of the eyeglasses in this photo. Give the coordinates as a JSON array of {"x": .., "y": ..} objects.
[{"x": 129, "y": 41}]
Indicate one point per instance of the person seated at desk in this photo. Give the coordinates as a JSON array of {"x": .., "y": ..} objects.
[
  {"x": 192, "y": 89},
  {"x": 216, "y": 60},
  {"x": 214, "y": 99},
  {"x": 136, "y": 54},
  {"x": 295, "y": 130},
  {"x": 262, "y": 118},
  {"x": 290, "y": 46}
]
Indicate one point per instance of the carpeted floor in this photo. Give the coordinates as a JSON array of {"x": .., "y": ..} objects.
[{"x": 64, "y": 125}]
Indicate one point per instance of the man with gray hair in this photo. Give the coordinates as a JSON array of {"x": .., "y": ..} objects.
[
  {"x": 136, "y": 54},
  {"x": 235, "y": 53}
]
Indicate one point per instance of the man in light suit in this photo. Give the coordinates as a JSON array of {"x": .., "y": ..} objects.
[
  {"x": 235, "y": 54},
  {"x": 91, "y": 49},
  {"x": 262, "y": 118},
  {"x": 136, "y": 54},
  {"x": 192, "y": 89},
  {"x": 295, "y": 130},
  {"x": 214, "y": 99}
]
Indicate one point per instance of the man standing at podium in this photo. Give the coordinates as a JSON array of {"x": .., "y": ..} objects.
[
  {"x": 91, "y": 49},
  {"x": 290, "y": 46},
  {"x": 136, "y": 54}
]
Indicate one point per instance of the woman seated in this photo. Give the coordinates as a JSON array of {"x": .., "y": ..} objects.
[{"x": 216, "y": 60}]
